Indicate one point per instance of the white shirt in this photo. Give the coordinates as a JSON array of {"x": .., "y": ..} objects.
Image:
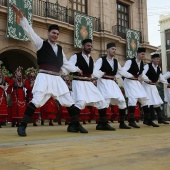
[
  {"x": 120, "y": 71},
  {"x": 127, "y": 66},
  {"x": 161, "y": 77},
  {"x": 73, "y": 58}
]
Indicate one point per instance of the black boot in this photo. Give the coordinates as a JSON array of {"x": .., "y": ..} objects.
[
  {"x": 102, "y": 123},
  {"x": 122, "y": 124},
  {"x": 74, "y": 125},
  {"x": 27, "y": 115},
  {"x": 132, "y": 118},
  {"x": 0, "y": 125},
  {"x": 160, "y": 116},
  {"x": 147, "y": 117}
]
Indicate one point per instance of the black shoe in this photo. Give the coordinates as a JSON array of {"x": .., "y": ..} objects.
[
  {"x": 162, "y": 122},
  {"x": 82, "y": 129},
  {"x": 133, "y": 124},
  {"x": 72, "y": 128},
  {"x": 34, "y": 124},
  {"x": 145, "y": 122},
  {"x": 42, "y": 122},
  {"x": 105, "y": 126},
  {"x": 51, "y": 124},
  {"x": 123, "y": 126},
  {"x": 150, "y": 123},
  {"x": 21, "y": 131},
  {"x": 0, "y": 126}
]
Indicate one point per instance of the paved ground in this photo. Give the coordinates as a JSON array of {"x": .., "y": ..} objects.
[{"x": 52, "y": 148}]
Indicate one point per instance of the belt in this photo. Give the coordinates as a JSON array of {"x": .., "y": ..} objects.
[
  {"x": 82, "y": 78},
  {"x": 168, "y": 87},
  {"x": 133, "y": 79},
  {"x": 108, "y": 77},
  {"x": 150, "y": 83},
  {"x": 49, "y": 72}
]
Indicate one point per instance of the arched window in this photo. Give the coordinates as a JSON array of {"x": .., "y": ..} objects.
[{"x": 78, "y": 5}]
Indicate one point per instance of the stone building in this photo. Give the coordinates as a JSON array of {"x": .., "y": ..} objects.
[{"x": 111, "y": 18}]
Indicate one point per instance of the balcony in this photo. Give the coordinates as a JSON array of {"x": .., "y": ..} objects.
[
  {"x": 56, "y": 11},
  {"x": 121, "y": 31},
  {"x": 3, "y": 2}
]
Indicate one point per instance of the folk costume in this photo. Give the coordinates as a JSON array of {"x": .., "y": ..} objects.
[
  {"x": 4, "y": 81},
  {"x": 109, "y": 69},
  {"x": 51, "y": 60},
  {"x": 18, "y": 97},
  {"x": 153, "y": 72},
  {"x": 84, "y": 92},
  {"x": 134, "y": 90}
]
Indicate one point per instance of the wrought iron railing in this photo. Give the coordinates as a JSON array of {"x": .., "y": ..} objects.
[
  {"x": 55, "y": 11},
  {"x": 121, "y": 31},
  {"x": 3, "y": 2}
]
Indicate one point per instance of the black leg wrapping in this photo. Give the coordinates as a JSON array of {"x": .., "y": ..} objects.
[
  {"x": 160, "y": 116},
  {"x": 122, "y": 124},
  {"x": 75, "y": 125},
  {"x": 132, "y": 118},
  {"x": 74, "y": 113},
  {"x": 102, "y": 123},
  {"x": 147, "y": 118},
  {"x": 131, "y": 111},
  {"x": 28, "y": 113}
]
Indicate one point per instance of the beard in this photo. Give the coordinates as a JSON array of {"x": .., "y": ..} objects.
[{"x": 87, "y": 51}]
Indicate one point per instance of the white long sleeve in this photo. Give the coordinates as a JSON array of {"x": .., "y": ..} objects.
[
  {"x": 166, "y": 75},
  {"x": 97, "y": 72},
  {"x": 68, "y": 66},
  {"x": 33, "y": 37},
  {"x": 123, "y": 72}
]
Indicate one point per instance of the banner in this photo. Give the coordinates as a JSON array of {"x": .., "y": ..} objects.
[
  {"x": 14, "y": 30},
  {"x": 83, "y": 28},
  {"x": 132, "y": 42}
]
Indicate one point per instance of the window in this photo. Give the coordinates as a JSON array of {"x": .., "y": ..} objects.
[
  {"x": 167, "y": 37},
  {"x": 78, "y": 5},
  {"x": 122, "y": 17}
]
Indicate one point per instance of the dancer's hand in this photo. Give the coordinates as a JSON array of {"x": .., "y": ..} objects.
[
  {"x": 17, "y": 11},
  {"x": 80, "y": 72}
]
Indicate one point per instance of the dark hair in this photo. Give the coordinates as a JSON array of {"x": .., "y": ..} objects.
[{"x": 53, "y": 27}]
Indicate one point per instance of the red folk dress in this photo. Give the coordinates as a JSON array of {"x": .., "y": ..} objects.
[
  {"x": 18, "y": 99},
  {"x": 3, "y": 103}
]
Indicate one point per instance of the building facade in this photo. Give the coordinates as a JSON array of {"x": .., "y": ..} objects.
[{"x": 111, "y": 18}]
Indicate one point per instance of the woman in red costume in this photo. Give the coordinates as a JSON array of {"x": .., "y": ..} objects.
[
  {"x": 4, "y": 81},
  {"x": 18, "y": 97}
]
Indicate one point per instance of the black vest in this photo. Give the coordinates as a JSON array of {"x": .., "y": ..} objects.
[
  {"x": 107, "y": 68},
  {"x": 46, "y": 55},
  {"x": 134, "y": 69},
  {"x": 151, "y": 74},
  {"x": 82, "y": 64},
  {"x": 168, "y": 80}
]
